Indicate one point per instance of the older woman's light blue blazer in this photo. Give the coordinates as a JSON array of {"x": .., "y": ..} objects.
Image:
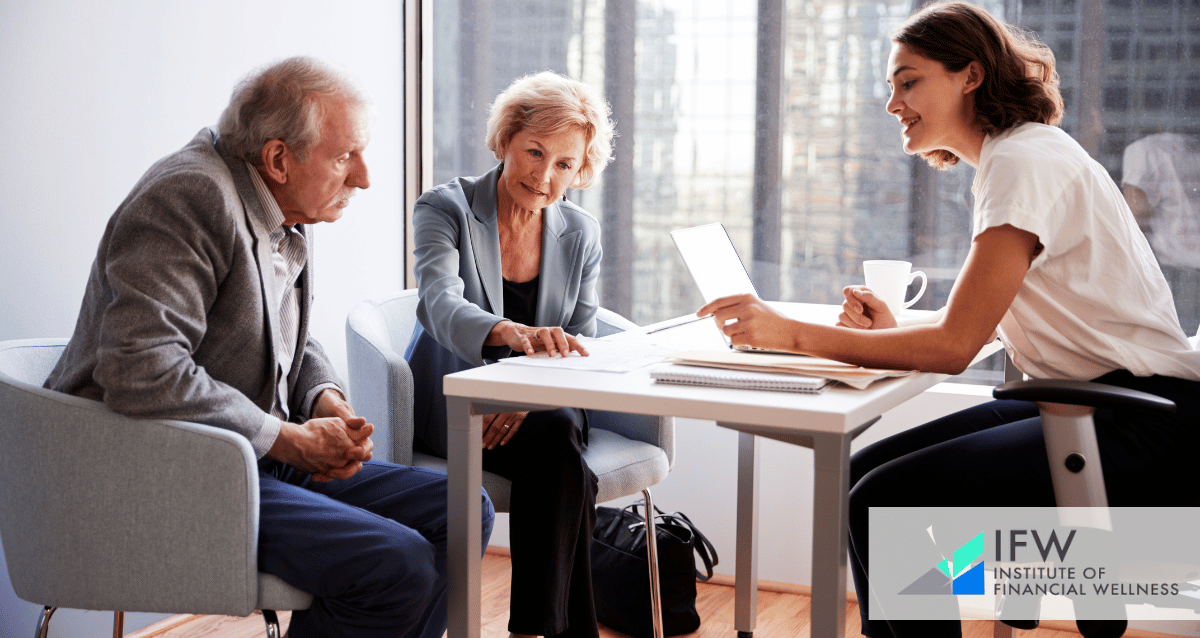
[{"x": 460, "y": 286}]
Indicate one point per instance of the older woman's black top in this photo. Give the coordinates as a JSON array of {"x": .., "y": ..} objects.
[{"x": 520, "y": 301}]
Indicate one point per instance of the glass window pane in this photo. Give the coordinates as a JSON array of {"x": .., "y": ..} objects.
[{"x": 687, "y": 77}]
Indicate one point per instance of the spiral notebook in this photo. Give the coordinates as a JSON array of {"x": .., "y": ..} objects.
[{"x": 742, "y": 379}]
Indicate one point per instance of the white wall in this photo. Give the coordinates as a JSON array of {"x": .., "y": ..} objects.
[{"x": 94, "y": 92}]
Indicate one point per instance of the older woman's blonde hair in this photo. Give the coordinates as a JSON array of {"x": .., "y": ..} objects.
[{"x": 547, "y": 103}]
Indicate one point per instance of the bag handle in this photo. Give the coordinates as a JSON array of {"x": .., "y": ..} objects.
[
  {"x": 616, "y": 520},
  {"x": 708, "y": 553},
  {"x": 642, "y": 504}
]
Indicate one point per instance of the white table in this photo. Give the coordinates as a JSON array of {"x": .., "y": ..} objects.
[{"x": 825, "y": 422}]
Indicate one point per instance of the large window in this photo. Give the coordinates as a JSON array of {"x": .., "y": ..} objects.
[{"x": 771, "y": 119}]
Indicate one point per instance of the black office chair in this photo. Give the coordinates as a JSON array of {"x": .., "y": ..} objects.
[{"x": 1066, "y": 408}]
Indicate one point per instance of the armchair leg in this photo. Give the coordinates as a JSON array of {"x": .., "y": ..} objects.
[
  {"x": 43, "y": 626},
  {"x": 272, "y": 621},
  {"x": 652, "y": 559},
  {"x": 118, "y": 624}
]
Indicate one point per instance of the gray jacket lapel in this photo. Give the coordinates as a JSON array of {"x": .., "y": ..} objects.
[
  {"x": 559, "y": 262},
  {"x": 485, "y": 240},
  {"x": 262, "y": 250}
]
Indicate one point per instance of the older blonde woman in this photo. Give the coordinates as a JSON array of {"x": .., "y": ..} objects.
[{"x": 506, "y": 265}]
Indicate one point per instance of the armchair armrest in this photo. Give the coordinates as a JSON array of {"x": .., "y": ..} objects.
[
  {"x": 1086, "y": 393},
  {"x": 657, "y": 431},
  {"x": 101, "y": 511},
  {"x": 381, "y": 388}
]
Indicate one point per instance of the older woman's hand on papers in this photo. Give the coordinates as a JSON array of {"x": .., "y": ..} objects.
[
  {"x": 528, "y": 339},
  {"x": 754, "y": 323},
  {"x": 864, "y": 311}
]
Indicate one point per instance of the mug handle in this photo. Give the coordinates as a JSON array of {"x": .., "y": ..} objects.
[{"x": 913, "y": 275}]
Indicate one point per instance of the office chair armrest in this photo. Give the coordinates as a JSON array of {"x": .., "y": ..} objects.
[
  {"x": 1085, "y": 393},
  {"x": 102, "y": 511},
  {"x": 381, "y": 389}
]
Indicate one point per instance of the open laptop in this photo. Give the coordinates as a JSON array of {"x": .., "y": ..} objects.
[{"x": 710, "y": 256}]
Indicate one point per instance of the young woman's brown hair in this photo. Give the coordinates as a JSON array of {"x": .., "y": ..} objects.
[{"x": 1019, "y": 80}]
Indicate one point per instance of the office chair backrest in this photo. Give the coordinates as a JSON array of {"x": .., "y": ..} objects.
[{"x": 400, "y": 316}]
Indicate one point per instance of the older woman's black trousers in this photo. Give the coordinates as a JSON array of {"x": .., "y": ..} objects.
[{"x": 552, "y": 516}]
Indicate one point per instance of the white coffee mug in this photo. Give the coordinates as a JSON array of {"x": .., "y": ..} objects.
[{"x": 889, "y": 280}]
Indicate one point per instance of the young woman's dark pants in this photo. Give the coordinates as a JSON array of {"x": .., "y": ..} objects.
[{"x": 994, "y": 455}]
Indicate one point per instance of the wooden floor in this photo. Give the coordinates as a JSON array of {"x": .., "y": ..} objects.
[{"x": 780, "y": 615}]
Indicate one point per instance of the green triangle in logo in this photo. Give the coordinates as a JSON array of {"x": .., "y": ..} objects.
[{"x": 963, "y": 556}]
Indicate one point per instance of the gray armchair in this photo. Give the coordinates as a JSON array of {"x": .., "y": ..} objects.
[
  {"x": 104, "y": 512},
  {"x": 627, "y": 452}
]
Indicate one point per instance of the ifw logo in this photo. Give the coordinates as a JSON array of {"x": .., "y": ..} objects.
[{"x": 955, "y": 575}]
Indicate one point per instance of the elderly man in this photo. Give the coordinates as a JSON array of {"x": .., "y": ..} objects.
[{"x": 197, "y": 309}]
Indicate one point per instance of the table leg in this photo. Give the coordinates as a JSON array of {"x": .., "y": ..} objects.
[
  {"x": 831, "y": 485},
  {"x": 746, "y": 562},
  {"x": 464, "y": 517}
]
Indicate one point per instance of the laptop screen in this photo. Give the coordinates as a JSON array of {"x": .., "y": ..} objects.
[{"x": 710, "y": 256}]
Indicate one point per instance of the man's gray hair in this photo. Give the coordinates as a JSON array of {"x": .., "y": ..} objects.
[{"x": 283, "y": 101}]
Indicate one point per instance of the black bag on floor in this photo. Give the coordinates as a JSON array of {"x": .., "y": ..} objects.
[{"x": 621, "y": 575}]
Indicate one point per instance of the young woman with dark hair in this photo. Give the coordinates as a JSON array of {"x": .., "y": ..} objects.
[{"x": 1057, "y": 269}]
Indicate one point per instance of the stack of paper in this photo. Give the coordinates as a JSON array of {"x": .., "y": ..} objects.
[{"x": 852, "y": 375}]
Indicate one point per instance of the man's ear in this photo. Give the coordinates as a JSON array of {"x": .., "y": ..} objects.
[
  {"x": 974, "y": 77},
  {"x": 276, "y": 159}
]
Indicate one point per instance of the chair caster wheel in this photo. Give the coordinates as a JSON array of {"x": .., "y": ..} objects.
[
  {"x": 1102, "y": 628},
  {"x": 1019, "y": 612}
]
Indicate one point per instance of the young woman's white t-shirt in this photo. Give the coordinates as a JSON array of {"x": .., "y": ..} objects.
[{"x": 1094, "y": 299}]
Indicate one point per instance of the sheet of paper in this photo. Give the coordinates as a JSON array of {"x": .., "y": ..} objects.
[{"x": 604, "y": 355}]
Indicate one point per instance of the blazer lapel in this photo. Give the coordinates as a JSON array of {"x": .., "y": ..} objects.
[
  {"x": 485, "y": 240},
  {"x": 559, "y": 248},
  {"x": 262, "y": 251}
]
